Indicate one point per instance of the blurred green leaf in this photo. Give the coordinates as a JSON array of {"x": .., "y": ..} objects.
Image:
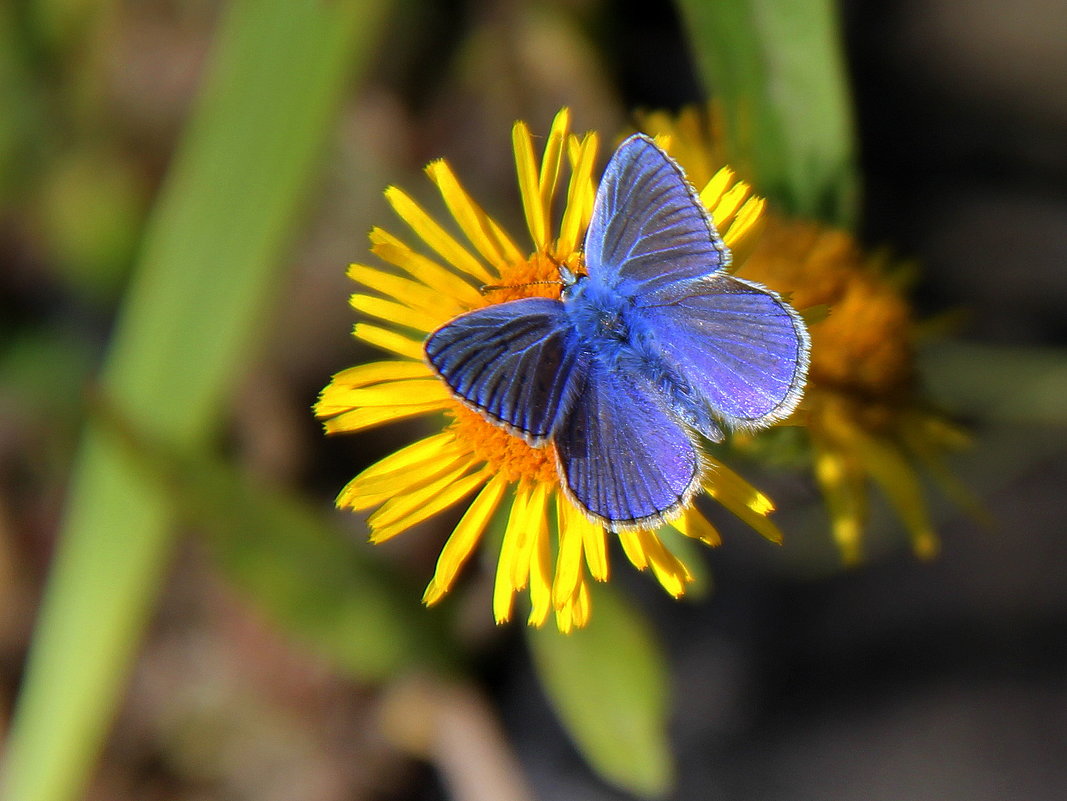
[
  {"x": 91, "y": 212},
  {"x": 608, "y": 683},
  {"x": 304, "y": 571},
  {"x": 204, "y": 281},
  {"x": 777, "y": 72}
]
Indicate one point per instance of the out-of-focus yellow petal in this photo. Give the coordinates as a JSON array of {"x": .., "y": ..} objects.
[
  {"x": 846, "y": 501},
  {"x": 891, "y": 471}
]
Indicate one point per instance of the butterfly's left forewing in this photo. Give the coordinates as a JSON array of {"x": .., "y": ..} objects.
[{"x": 514, "y": 362}]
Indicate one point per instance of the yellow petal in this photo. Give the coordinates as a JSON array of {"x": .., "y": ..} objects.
[
  {"x": 398, "y": 314},
  {"x": 472, "y": 219},
  {"x": 592, "y": 536},
  {"x": 533, "y": 528},
  {"x": 336, "y": 397},
  {"x": 575, "y": 217},
  {"x": 411, "y": 392},
  {"x": 568, "y": 558},
  {"x": 693, "y": 524},
  {"x": 747, "y": 217},
  {"x": 540, "y": 576},
  {"x": 449, "y": 285},
  {"x": 435, "y": 236},
  {"x": 633, "y": 548},
  {"x": 668, "y": 569},
  {"x": 373, "y": 372},
  {"x": 575, "y": 612},
  {"x": 413, "y": 294},
  {"x": 550, "y": 164},
  {"x": 388, "y": 340},
  {"x": 596, "y": 552},
  {"x": 360, "y": 419},
  {"x": 402, "y": 470},
  {"x": 400, "y": 514},
  {"x": 508, "y": 566},
  {"x": 712, "y": 193},
  {"x": 463, "y": 539},
  {"x": 529, "y": 185},
  {"x": 725, "y": 208},
  {"x": 723, "y": 483}
]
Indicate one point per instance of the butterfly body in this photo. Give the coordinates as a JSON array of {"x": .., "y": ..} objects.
[{"x": 656, "y": 342}]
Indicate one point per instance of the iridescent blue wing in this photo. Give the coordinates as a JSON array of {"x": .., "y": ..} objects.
[
  {"x": 648, "y": 227},
  {"x": 512, "y": 362},
  {"x": 623, "y": 456},
  {"x": 736, "y": 343}
]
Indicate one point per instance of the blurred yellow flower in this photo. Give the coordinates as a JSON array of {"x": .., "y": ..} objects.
[
  {"x": 863, "y": 413},
  {"x": 546, "y": 539}
]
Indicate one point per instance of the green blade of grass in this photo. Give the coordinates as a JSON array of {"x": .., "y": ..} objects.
[
  {"x": 776, "y": 70},
  {"x": 204, "y": 280}
]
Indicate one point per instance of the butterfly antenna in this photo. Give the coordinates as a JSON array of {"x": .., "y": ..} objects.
[{"x": 485, "y": 289}]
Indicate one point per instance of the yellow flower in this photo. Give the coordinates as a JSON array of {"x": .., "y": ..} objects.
[
  {"x": 863, "y": 413},
  {"x": 548, "y": 545}
]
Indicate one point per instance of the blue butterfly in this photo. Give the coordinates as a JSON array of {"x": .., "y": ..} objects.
[{"x": 657, "y": 342}]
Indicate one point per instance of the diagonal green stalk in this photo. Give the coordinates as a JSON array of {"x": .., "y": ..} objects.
[
  {"x": 211, "y": 254},
  {"x": 776, "y": 71}
]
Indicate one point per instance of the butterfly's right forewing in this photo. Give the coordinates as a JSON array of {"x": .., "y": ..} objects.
[
  {"x": 514, "y": 362},
  {"x": 648, "y": 228}
]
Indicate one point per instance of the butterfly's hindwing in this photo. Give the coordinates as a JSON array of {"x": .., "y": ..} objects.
[
  {"x": 739, "y": 345},
  {"x": 623, "y": 457}
]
